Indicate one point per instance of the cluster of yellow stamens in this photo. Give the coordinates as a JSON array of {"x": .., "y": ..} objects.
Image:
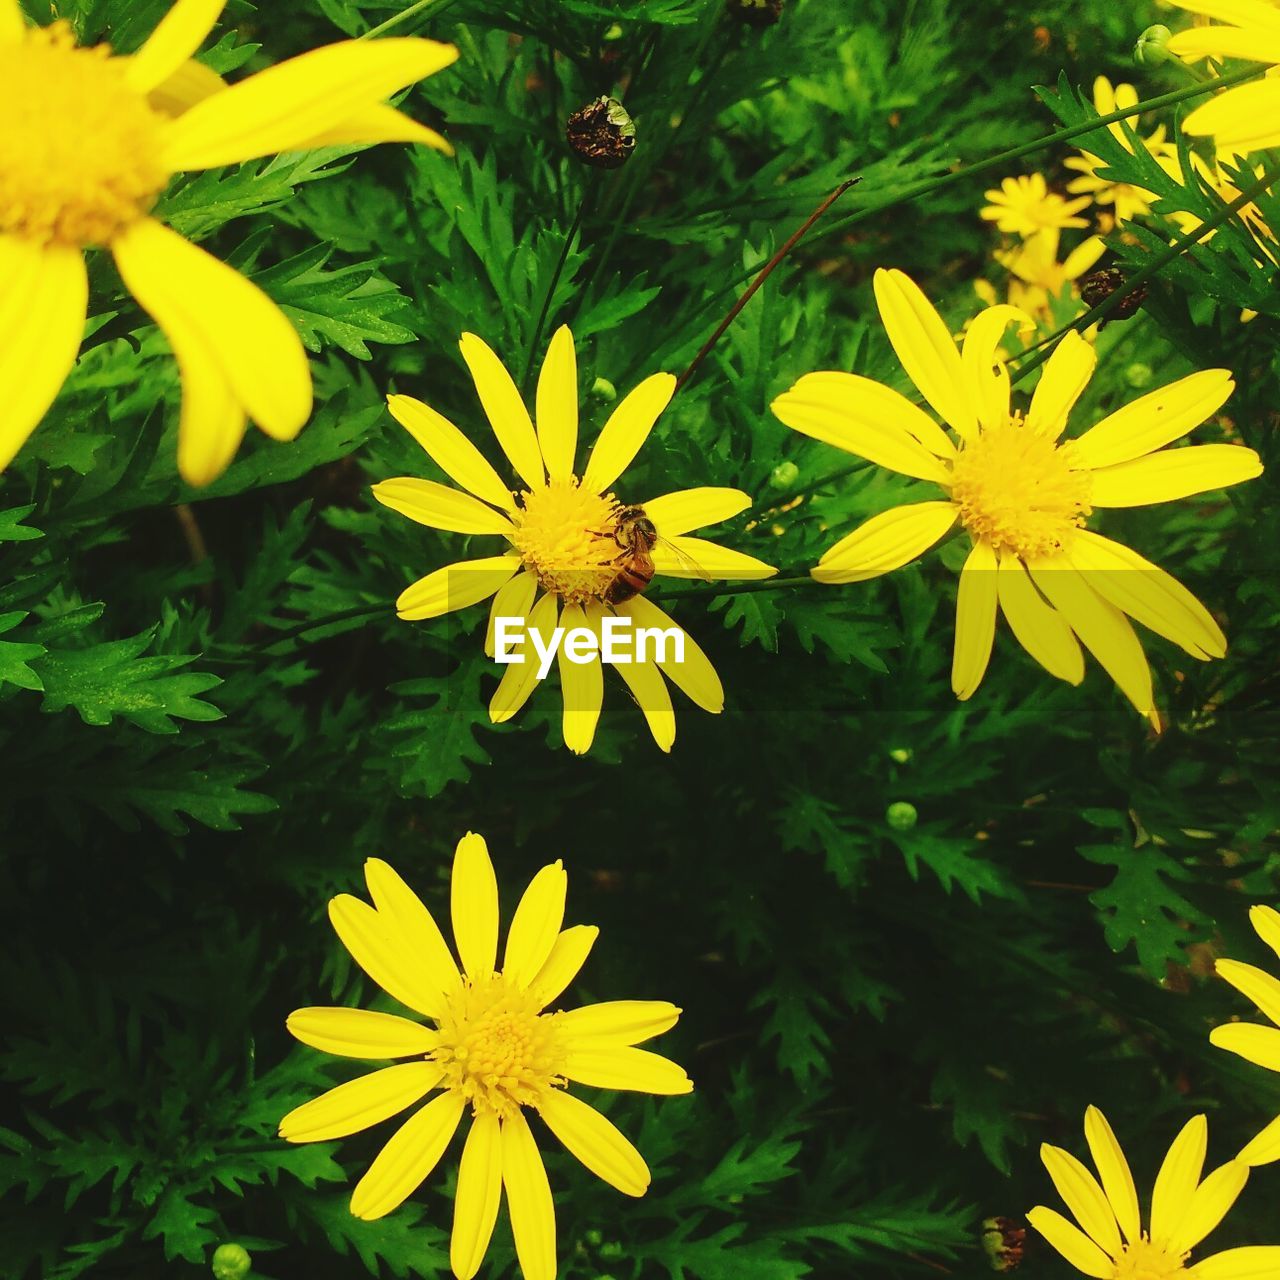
[
  {"x": 496, "y": 1049},
  {"x": 1143, "y": 1260},
  {"x": 1016, "y": 490},
  {"x": 79, "y": 151},
  {"x": 564, "y": 534}
]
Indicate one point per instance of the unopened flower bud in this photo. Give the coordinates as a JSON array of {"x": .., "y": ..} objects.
[
  {"x": 756, "y": 13},
  {"x": 900, "y": 755},
  {"x": 231, "y": 1262},
  {"x": 784, "y": 475},
  {"x": 603, "y": 389},
  {"x": 602, "y": 134},
  {"x": 1139, "y": 375},
  {"x": 1153, "y": 46},
  {"x": 901, "y": 815}
]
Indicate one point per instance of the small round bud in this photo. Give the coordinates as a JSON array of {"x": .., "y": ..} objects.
[
  {"x": 1152, "y": 47},
  {"x": 231, "y": 1262},
  {"x": 901, "y": 815},
  {"x": 594, "y": 1237},
  {"x": 602, "y": 134},
  {"x": 1100, "y": 285},
  {"x": 784, "y": 475},
  {"x": 1139, "y": 375},
  {"x": 603, "y": 389},
  {"x": 900, "y": 755},
  {"x": 756, "y": 13}
]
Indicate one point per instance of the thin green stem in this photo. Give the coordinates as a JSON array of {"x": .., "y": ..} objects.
[
  {"x": 347, "y": 615},
  {"x": 708, "y": 589},
  {"x": 422, "y": 6}
]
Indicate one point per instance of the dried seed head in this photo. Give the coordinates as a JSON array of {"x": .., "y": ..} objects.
[
  {"x": 756, "y": 13},
  {"x": 1003, "y": 1241},
  {"x": 602, "y": 134}
]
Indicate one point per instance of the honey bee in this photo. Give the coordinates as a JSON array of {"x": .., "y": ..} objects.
[{"x": 637, "y": 535}]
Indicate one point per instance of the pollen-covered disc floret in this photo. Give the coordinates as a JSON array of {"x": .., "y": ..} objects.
[
  {"x": 1016, "y": 490},
  {"x": 1143, "y": 1260},
  {"x": 79, "y": 151},
  {"x": 497, "y": 1051},
  {"x": 564, "y": 534}
]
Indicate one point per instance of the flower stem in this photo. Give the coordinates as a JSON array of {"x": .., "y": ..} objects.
[{"x": 422, "y": 6}]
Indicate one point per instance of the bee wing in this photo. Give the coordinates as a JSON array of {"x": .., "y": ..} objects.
[{"x": 690, "y": 566}]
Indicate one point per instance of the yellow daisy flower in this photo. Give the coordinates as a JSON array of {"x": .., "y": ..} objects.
[
  {"x": 1184, "y": 1209},
  {"x": 1247, "y": 117},
  {"x": 565, "y": 534},
  {"x": 1022, "y": 206},
  {"x": 1021, "y": 493},
  {"x": 1260, "y": 1045},
  {"x": 492, "y": 1050},
  {"x": 1127, "y": 201},
  {"x": 90, "y": 140},
  {"x": 1038, "y": 276}
]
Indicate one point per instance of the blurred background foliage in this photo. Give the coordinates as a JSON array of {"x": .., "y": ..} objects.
[{"x": 912, "y": 938}]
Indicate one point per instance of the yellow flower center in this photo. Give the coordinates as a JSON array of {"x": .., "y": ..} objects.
[
  {"x": 1143, "y": 1260},
  {"x": 564, "y": 534},
  {"x": 79, "y": 149},
  {"x": 495, "y": 1047},
  {"x": 1015, "y": 489}
]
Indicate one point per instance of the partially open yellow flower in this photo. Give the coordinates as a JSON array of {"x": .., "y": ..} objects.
[
  {"x": 1246, "y": 117},
  {"x": 89, "y": 141},
  {"x": 1022, "y": 206},
  {"x": 1110, "y": 1244},
  {"x": 564, "y": 532},
  {"x": 1021, "y": 492},
  {"x": 1038, "y": 276},
  {"x": 492, "y": 1051},
  {"x": 1260, "y": 1045}
]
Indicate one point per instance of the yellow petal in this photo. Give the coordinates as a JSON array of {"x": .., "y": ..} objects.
[
  {"x": 504, "y": 408},
  {"x": 189, "y": 293},
  {"x": 361, "y": 1103},
  {"x": 533, "y": 1215},
  {"x": 1246, "y": 118},
  {"x": 556, "y": 407},
  {"x": 12, "y": 24},
  {"x": 377, "y": 948},
  {"x": 1265, "y": 1148},
  {"x": 621, "y": 1022},
  {"x": 513, "y": 599},
  {"x": 360, "y": 1033},
  {"x": 1102, "y": 628},
  {"x": 521, "y": 678},
  {"x": 1173, "y": 473},
  {"x": 1083, "y": 1196},
  {"x": 1254, "y": 984},
  {"x": 474, "y": 905},
  {"x": 1253, "y": 1262},
  {"x": 410, "y": 1155},
  {"x": 439, "y": 506},
  {"x": 1242, "y": 13},
  {"x": 625, "y": 1068},
  {"x": 413, "y": 926},
  {"x": 535, "y": 925},
  {"x": 567, "y": 957},
  {"x": 1148, "y": 594},
  {"x": 1154, "y": 420},
  {"x": 371, "y": 125},
  {"x": 179, "y": 91},
  {"x": 885, "y": 542},
  {"x": 177, "y": 37},
  {"x": 868, "y": 420},
  {"x": 1266, "y": 923},
  {"x": 688, "y": 557},
  {"x": 688, "y": 509},
  {"x": 1226, "y": 42},
  {"x": 1177, "y": 1180},
  {"x": 596, "y": 1141},
  {"x": 1117, "y": 1180},
  {"x": 975, "y": 620},
  {"x": 581, "y": 683},
  {"x": 280, "y": 108},
  {"x": 1072, "y": 1243},
  {"x": 693, "y": 675},
  {"x": 456, "y": 586},
  {"x": 649, "y": 689},
  {"x": 986, "y": 375},
  {"x": 627, "y": 429},
  {"x": 1259, "y": 1045},
  {"x": 1065, "y": 375},
  {"x": 475, "y": 1205},
  {"x": 1085, "y": 254},
  {"x": 924, "y": 346},
  {"x": 450, "y": 450},
  {"x": 1209, "y": 1205},
  {"x": 1038, "y": 627},
  {"x": 42, "y": 315}
]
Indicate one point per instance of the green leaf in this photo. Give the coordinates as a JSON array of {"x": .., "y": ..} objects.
[
  {"x": 15, "y": 657},
  {"x": 11, "y": 527}
]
